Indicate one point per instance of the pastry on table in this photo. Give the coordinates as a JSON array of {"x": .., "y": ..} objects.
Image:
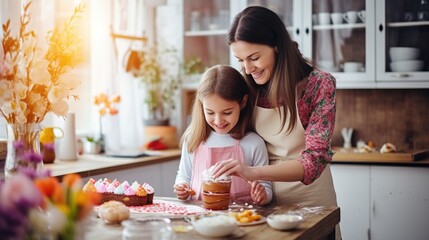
[
  {"x": 135, "y": 194},
  {"x": 388, "y": 148},
  {"x": 113, "y": 212}
]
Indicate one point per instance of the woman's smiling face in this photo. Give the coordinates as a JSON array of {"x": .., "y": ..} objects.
[
  {"x": 257, "y": 60},
  {"x": 222, "y": 115}
]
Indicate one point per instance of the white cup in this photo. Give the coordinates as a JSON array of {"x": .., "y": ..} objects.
[
  {"x": 324, "y": 18},
  {"x": 350, "y": 16},
  {"x": 315, "y": 19},
  {"x": 353, "y": 67},
  {"x": 362, "y": 15},
  {"x": 337, "y": 18}
]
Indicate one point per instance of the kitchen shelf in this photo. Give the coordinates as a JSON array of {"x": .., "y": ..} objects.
[
  {"x": 408, "y": 24},
  {"x": 206, "y": 33},
  {"x": 339, "y": 26}
]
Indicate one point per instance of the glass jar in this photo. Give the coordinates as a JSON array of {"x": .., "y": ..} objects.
[{"x": 148, "y": 228}]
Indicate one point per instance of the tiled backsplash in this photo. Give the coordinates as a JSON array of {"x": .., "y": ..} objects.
[{"x": 397, "y": 116}]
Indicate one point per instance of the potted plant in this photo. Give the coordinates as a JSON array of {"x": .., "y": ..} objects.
[
  {"x": 159, "y": 74},
  {"x": 192, "y": 69}
]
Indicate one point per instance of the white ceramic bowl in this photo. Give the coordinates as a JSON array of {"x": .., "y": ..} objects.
[
  {"x": 284, "y": 221},
  {"x": 403, "y": 53},
  {"x": 407, "y": 66},
  {"x": 215, "y": 225}
]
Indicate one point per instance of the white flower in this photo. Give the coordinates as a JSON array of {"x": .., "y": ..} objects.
[
  {"x": 56, "y": 94},
  {"x": 20, "y": 90},
  {"x": 69, "y": 80},
  {"x": 55, "y": 218},
  {"x": 60, "y": 108},
  {"x": 5, "y": 94},
  {"x": 39, "y": 73}
]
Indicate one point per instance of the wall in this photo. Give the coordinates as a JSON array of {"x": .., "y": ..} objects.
[{"x": 397, "y": 116}]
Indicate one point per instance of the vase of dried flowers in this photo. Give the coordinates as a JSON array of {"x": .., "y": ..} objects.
[
  {"x": 22, "y": 144},
  {"x": 35, "y": 81}
]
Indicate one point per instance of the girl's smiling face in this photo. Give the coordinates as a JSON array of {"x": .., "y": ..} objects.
[
  {"x": 257, "y": 60},
  {"x": 222, "y": 115}
]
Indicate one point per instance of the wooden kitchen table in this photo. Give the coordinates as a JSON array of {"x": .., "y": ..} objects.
[{"x": 319, "y": 223}]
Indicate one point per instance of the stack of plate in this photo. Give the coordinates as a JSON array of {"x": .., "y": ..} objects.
[{"x": 405, "y": 59}]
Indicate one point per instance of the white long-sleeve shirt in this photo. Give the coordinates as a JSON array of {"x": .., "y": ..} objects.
[{"x": 254, "y": 151}]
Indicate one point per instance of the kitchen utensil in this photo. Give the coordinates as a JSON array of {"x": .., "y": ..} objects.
[
  {"x": 350, "y": 17},
  {"x": 337, "y": 18},
  {"x": 324, "y": 18},
  {"x": 284, "y": 221},
  {"x": 214, "y": 225},
  {"x": 68, "y": 143},
  {"x": 347, "y": 136},
  {"x": 403, "y": 53},
  {"x": 407, "y": 66}
]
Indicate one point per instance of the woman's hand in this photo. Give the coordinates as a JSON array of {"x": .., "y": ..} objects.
[
  {"x": 182, "y": 191},
  {"x": 231, "y": 167},
  {"x": 258, "y": 193}
]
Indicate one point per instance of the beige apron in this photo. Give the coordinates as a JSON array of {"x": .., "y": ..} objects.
[{"x": 283, "y": 147}]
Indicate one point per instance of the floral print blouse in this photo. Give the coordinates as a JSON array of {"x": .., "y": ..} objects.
[{"x": 316, "y": 110}]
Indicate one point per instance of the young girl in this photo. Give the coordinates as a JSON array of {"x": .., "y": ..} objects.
[{"x": 219, "y": 130}]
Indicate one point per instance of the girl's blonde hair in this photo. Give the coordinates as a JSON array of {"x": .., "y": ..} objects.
[{"x": 227, "y": 83}]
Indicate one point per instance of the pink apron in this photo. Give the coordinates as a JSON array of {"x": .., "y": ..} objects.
[{"x": 205, "y": 157}]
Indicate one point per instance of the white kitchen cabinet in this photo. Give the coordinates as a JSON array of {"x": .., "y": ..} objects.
[
  {"x": 160, "y": 176},
  {"x": 333, "y": 45},
  {"x": 352, "y": 185},
  {"x": 399, "y": 203},
  {"x": 382, "y": 202},
  {"x": 401, "y": 23}
]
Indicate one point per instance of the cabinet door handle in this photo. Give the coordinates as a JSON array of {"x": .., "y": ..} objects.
[
  {"x": 297, "y": 31},
  {"x": 402, "y": 75},
  {"x": 380, "y": 27},
  {"x": 307, "y": 30}
]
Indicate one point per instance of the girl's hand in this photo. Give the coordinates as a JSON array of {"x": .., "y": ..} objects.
[
  {"x": 182, "y": 191},
  {"x": 231, "y": 167},
  {"x": 258, "y": 193}
]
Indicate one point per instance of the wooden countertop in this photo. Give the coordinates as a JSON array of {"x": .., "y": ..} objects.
[
  {"x": 319, "y": 223},
  {"x": 88, "y": 165},
  {"x": 418, "y": 158}
]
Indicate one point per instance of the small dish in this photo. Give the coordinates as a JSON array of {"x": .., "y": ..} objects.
[
  {"x": 262, "y": 220},
  {"x": 284, "y": 221},
  {"x": 214, "y": 225}
]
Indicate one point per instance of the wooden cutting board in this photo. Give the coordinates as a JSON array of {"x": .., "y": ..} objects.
[{"x": 351, "y": 155}]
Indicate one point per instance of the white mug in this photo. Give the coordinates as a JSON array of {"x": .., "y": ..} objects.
[
  {"x": 324, "y": 18},
  {"x": 353, "y": 67},
  {"x": 337, "y": 18},
  {"x": 350, "y": 16},
  {"x": 362, "y": 15}
]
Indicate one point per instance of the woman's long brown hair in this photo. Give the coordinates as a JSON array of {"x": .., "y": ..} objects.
[{"x": 260, "y": 25}]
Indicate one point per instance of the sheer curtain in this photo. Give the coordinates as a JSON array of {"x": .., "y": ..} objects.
[{"x": 108, "y": 56}]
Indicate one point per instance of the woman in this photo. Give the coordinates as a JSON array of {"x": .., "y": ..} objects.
[{"x": 294, "y": 112}]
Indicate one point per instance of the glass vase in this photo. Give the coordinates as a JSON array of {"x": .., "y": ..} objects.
[{"x": 23, "y": 148}]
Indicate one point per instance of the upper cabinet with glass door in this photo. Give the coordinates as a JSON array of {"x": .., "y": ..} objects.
[
  {"x": 205, "y": 24},
  {"x": 284, "y": 8},
  {"x": 341, "y": 40},
  {"x": 402, "y": 43}
]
